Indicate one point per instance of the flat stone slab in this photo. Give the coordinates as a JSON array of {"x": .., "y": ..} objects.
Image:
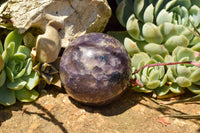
[{"x": 55, "y": 112}]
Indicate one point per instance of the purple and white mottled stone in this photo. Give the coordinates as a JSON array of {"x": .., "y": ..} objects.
[{"x": 95, "y": 69}]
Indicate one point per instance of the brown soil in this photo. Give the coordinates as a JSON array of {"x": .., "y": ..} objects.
[{"x": 55, "y": 112}]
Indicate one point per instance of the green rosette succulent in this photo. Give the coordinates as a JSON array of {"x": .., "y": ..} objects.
[
  {"x": 167, "y": 22},
  {"x": 150, "y": 78},
  {"x": 170, "y": 73},
  {"x": 17, "y": 77},
  {"x": 183, "y": 75}
]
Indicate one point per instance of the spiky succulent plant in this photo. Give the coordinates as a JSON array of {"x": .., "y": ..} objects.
[{"x": 17, "y": 77}]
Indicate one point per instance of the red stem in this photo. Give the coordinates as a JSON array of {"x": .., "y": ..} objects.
[{"x": 165, "y": 64}]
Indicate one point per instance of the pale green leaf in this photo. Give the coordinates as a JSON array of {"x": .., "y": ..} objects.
[
  {"x": 156, "y": 49},
  {"x": 154, "y": 75},
  {"x": 175, "y": 41},
  {"x": 170, "y": 75},
  {"x": 137, "y": 58},
  {"x": 28, "y": 66},
  {"x": 159, "y": 6},
  {"x": 15, "y": 37},
  {"x": 183, "y": 71},
  {"x": 138, "y": 6},
  {"x": 124, "y": 10},
  {"x": 195, "y": 15},
  {"x": 7, "y": 96},
  {"x": 2, "y": 77},
  {"x": 151, "y": 33},
  {"x": 163, "y": 80},
  {"x": 17, "y": 84},
  {"x": 5, "y": 55},
  {"x": 153, "y": 84},
  {"x": 195, "y": 76},
  {"x": 25, "y": 95},
  {"x": 25, "y": 50},
  {"x": 168, "y": 30},
  {"x": 20, "y": 74},
  {"x": 133, "y": 28},
  {"x": 164, "y": 17},
  {"x": 149, "y": 14},
  {"x": 158, "y": 58},
  {"x": 196, "y": 47},
  {"x": 20, "y": 56},
  {"x": 183, "y": 81},
  {"x": 32, "y": 80},
  {"x": 194, "y": 89},
  {"x": 130, "y": 46},
  {"x": 173, "y": 3},
  {"x": 185, "y": 52},
  {"x": 175, "y": 88},
  {"x": 160, "y": 91},
  {"x": 9, "y": 74}
]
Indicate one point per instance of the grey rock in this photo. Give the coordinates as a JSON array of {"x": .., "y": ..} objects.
[{"x": 71, "y": 18}]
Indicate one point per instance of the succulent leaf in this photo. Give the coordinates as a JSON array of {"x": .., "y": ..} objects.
[
  {"x": 133, "y": 28},
  {"x": 162, "y": 90},
  {"x": 175, "y": 88},
  {"x": 25, "y": 95},
  {"x": 2, "y": 77},
  {"x": 164, "y": 17},
  {"x": 168, "y": 30},
  {"x": 17, "y": 84},
  {"x": 156, "y": 49},
  {"x": 137, "y": 58},
  {"x": 149, "y": 14},
  {"x": 175, "y": 41},
  {"x": 194, "y": 89},
  {"x": 183, "y": 71},
  {"x": 31, "y": 80},
  {"x": 141, "y": 89},
  {"x": 131, "y": 46},
  {"x": 195, "y": 75},
  {"x": 15, "y": 37},
  {"x": 124, "y": 10},
  {"x": 7, "y": 96},
  {"x": 16, "y": 75},
  {"x": 152, "y": 33}
]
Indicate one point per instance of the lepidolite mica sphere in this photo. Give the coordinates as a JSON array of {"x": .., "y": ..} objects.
[{"x": 95, "y": 69}]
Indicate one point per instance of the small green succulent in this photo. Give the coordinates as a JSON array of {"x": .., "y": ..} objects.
[
  {"x": 183, "y": 75},
  {"x": 171, "y": 73},
  {"x": 17, "y": 77},
  {"x": 150, "y": 78}
]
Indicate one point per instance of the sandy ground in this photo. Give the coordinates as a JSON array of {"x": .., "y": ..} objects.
[{"x": 55, "y": 112}]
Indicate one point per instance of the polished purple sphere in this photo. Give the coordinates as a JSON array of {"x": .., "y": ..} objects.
[{"x": 95, "y": 69}]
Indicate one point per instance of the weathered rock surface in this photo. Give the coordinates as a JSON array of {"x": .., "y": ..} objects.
[
  {"x": 71, "y": 18},
  {"x": 55, "y": 112}
]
